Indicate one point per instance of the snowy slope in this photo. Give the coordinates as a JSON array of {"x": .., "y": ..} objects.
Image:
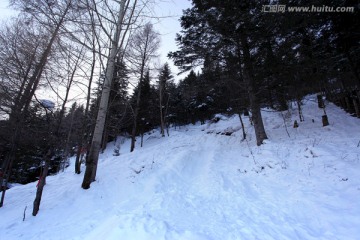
[{"x": 199, "y": 184}]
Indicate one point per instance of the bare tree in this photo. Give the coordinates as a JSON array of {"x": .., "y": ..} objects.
[
  {"x": 87, "y": 33},
  {"x": 19, "y": 54},
  {"x": 125, "y": 17},
  {"x": 143, "y": 46},
  {"x": 51, "y": 16},
  {"x": 25, "y": 85}
]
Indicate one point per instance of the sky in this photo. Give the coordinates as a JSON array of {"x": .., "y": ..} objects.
[
  {"x": 168, "y": 11},
  {"x": 168, "y": 25},
  {"x": 5, "y": 12}
]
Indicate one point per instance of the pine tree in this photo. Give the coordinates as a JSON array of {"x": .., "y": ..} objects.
[
  {"x": 165, "y": 78},
  {"x": 118, "y": 114},
  {"x": 213, "y": 28}
]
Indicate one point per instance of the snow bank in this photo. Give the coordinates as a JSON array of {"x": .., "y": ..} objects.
[{"x": 201, "y": 184}]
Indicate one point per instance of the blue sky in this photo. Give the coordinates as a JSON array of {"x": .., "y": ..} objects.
[
  {"x": 168, "y": 27},
  {"x": 5, "y": 12}
]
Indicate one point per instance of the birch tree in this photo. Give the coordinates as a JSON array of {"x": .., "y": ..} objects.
[{"x": 125, "y": 17}]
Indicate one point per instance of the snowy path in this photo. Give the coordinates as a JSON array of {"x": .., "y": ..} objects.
[{"x": 198, "y": 184}]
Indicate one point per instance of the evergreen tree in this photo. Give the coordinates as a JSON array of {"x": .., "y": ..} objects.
[
  {"x": 147, "y": 107},
  {"x": 118, "y": 113},
  {"x": 187, "y": 96},
  {"x": 165, "y": 78},
  {"x": 220, "y": 27}
]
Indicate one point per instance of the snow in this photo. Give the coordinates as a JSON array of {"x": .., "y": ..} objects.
[
  {"x": 200, "y": 184},
  {"x": 47, "y": 103}
]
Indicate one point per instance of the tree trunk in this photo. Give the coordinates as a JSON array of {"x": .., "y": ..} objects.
[
  {"x": 161, "y": 95},
  {"x": 249, "y": 79},
  {"x": 105, "y": 138},
  {"x": 325, "y": 120},
  {"x": 5, "y": 179},
  {"x": 258, "y": 122},
  {"x": 320, "y": 101},
  {"x": 77, "y": 160},
  {"x": 84, "y": 129},
  {"x": 137, "y": 107},
  {"x": 133, "y": 136},
  {"x": 41, "y": 184},
  {"x": 300, "y": 110},
  {"x": 167, "y": 129},
  {"x": 136, "y": 112},
  {"x": 167, "y": 123},
  {"x": 349, "y": 108},
  {"x": 356, "y": 107},
  {"x": 242, "y": 127},
  {"x": 92, "y": 159}
]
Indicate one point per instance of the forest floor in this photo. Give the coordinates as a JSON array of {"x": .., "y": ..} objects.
[{"x": 203, "y": 183}]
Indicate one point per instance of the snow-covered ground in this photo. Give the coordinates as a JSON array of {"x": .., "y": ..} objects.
[{"x": 200, "y": 184}]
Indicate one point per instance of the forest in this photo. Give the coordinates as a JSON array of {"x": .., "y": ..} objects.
[{"x": 238, "y": 60}]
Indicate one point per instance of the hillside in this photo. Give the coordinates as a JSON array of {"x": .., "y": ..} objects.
[{"x": 200, "y": 183}]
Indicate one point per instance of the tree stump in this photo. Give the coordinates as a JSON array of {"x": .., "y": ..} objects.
[
  {"x": 320, "y": 101},
  {"x": 296, "y": 125},
  {"x": 325, "y": 120}
]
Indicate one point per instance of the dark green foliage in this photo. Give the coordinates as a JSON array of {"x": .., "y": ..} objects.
[
  {"x": 292, "y": 54},
  {"x": 148, "y": 107},
  {"x": 118, "y": 117},
  {"x": 118, "y": 114},
  {"x": 39, "y": 133}
]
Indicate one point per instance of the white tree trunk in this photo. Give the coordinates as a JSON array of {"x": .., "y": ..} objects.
[{"x": 92, "y": 160}]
